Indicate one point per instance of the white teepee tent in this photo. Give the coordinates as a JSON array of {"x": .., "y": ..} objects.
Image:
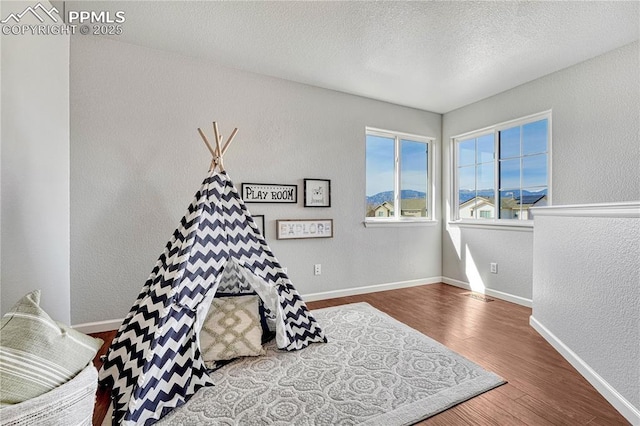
[{"x": 154, "y": 363}]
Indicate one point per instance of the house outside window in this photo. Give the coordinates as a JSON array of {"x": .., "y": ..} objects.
[
  {"x": 398, "y": 174},
  {"x": 502, "y": 171}
]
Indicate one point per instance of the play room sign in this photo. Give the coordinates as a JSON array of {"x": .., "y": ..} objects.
[{"x": 269, "y": 193}]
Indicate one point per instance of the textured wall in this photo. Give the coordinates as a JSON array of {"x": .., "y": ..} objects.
[
  {"x": 35, "y": 167},
  {"x": 587, "y": 293},
  {"x": 595, "y": 155},
  {"x": 137, "y": 160}
]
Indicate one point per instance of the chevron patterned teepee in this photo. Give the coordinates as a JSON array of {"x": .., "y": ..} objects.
[{"x": 154, "y": 363}]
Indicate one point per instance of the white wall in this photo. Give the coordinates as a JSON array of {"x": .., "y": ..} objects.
[
  {"x": 596, "y": 152},
  {"x": 35, "y": 168},
  {"x": 586, "y": 295},
  {"x": 137, "y": 160}
]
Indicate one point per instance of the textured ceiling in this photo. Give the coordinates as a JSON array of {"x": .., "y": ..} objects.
[{"x": 435, "y": 56}]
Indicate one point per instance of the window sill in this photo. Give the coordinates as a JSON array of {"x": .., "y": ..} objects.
[
  {"x": 398, "y": 223},
  {"x": 504, "y": 224}
]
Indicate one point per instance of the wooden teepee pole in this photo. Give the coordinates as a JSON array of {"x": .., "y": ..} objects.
[
  {"x": 226, "y": 145},
  {"x": 206, "y": 141},
  {"x": 218, "y": 152},
  {"x": 218, "y": 155}
]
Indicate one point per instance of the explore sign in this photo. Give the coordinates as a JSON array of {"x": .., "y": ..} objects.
[
  {"x": 290, "y": 229},
  {"x": 269, "y": 193}
]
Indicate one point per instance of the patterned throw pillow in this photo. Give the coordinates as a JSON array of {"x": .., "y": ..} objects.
[
  {"x": 231, "y": 329},
  {"x": 37, "y": 353},
  {"x": 267, "y": 334}
]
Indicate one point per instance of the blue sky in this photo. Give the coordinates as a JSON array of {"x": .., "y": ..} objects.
[
  {"x": 380, "y": 165},
  {"x": 476, "y": 166},
  {"x": 476, "y": 161}
]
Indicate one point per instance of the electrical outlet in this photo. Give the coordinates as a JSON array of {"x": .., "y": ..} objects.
[
  {"x": 317, "y": 269},
  {"x": 494, "y": 268}
]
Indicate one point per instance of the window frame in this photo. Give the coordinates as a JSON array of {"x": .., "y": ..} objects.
[
  {"x": 398, "y": 219},
  {"x": 495, "y": 130}
]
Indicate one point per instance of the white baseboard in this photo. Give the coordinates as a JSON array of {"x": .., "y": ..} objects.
[
  {"x": 114, "y": 324},
  {"x": 619, "y": 402},
  {"x": 368, "y": 289},
  {"x": 109, "y": 325},
  {"x": 99, "y": 326},
  {"x": 489, "y": 292}
]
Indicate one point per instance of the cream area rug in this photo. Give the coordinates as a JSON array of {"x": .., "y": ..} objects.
[{"x": 373, "y": 371}]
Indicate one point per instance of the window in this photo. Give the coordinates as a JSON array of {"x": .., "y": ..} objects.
[
  {"x": 397, "y": 173},
  {"x": 476, "y": 176},
  {"x": 502, "y": 171}
]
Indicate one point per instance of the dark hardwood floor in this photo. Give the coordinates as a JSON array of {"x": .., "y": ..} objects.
[{"x": 542, "y": 389}]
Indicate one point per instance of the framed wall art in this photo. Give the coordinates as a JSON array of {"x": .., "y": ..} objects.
[
  {"x": 317, "y": 193},
  {"x": 290, "y": 229},
  {"x": 269, "y": 193}
]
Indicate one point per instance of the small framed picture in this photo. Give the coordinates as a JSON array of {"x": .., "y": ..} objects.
[
  {"x": 259, "y": 220},
  {"x": 317, "y": 193},
  {"x": 290, "y": 229}
]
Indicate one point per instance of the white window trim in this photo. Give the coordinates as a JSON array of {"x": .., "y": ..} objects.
[
  {"x": 398, "y": 220},
  {"x": 495, "y": 129},
  {"x": 391, "y": 222},
  {"x": 506, "y": 224}
]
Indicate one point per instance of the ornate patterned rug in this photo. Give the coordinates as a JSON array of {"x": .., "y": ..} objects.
[{"x": 374, "y": 371}]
